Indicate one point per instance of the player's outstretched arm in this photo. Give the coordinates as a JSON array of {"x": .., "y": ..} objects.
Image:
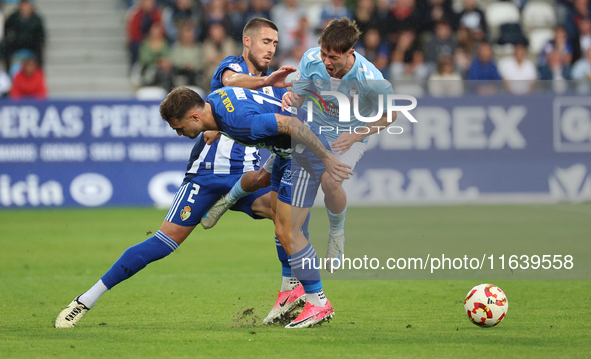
[
  {"x": 293, "y": 127},
  {"x": 276, "y": 79},
  {"x": 346, "y": 140}
]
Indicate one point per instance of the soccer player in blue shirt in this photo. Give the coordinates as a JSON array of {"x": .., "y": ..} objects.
[
  {"x": 213, "y": 168},
  {"x": 255, "y": 119},
  {"x": 335, "y": 66},
  {"x": 260, "y": 39},
  {"x": 250, "y": 71}
]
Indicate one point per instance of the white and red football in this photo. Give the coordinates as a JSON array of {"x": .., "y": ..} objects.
[{"x": 486, "y": 305}]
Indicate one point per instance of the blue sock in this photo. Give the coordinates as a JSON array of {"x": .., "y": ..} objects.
[
  {"x": 284, "y": 259},
  {"x": 137, "y": 257},
  {"x": 305, "y": 267},
  {"x": 237, "y": 192},
  {"x": 305, "y": 227},
  {"x": 336, "y": 221}
]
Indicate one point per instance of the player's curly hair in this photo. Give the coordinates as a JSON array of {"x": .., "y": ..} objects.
[
  {"x": 178, "y": 102},
  {"x": 339, "y": 35}
]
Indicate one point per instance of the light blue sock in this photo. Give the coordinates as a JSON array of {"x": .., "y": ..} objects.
[
  {"x": 137, "y": 257},
  {"x": 237, "y": 192},
  {"x": 336, "y": 221}
]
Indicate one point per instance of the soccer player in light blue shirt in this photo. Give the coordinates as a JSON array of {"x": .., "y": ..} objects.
[{"x": 357, "y": 86}]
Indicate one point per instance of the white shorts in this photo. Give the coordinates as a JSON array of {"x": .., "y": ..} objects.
[{"x": 353, "y": 155}]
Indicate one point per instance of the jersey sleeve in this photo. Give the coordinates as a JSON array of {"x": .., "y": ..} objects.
[
  {"x": 303, "y": 80},
  {"x": 263, "y": 126},
  {"x": 229, "y": 63}
]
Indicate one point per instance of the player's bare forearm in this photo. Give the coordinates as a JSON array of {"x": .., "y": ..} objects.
[
  {"x": 293, "y": 127},
  {"x": 235, "y": 79},
  {"x": 301, "y": 134}
]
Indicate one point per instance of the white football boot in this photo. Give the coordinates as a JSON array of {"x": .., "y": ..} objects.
[{"x": 70, "y": 316}]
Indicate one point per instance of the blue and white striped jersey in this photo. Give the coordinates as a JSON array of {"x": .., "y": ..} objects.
[{"x": 226, "y": 156}]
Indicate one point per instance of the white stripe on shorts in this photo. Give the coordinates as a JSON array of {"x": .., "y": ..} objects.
[
  {"x": 176, "y": 201},
  {"x": 301, "y": 189}
]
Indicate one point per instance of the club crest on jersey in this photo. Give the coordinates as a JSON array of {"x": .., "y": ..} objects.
[
  {"x": 235, "y": 67},
  {"x": 318, "y": 83},
  {"x": 185, "y": 213},
  {"x": 268, "y": 91}
]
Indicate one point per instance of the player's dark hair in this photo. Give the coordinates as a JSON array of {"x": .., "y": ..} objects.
[
  {"x": 257, "y": 23},
  {"x": 340, "y": 35},
  {"x": 178, "y": 102}
]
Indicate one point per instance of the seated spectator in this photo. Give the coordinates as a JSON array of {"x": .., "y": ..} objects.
[
  {"x": 555, "y": 73},
  {"x": 582, "y": 41},
  {"x": 559, "y": 43},
  {"x": 581, "y": 73},
  {"x": 435, "y": 11},
  {"x": 403, "y": 15},
  {"x": 518, "y": 72},
  {"x": 217, "y": 13},
  {"x": 181, "y": 13},
  {"x": 406, "y": 43},
  {"x": 5, "y": 82},
  {"x": 445, "y": 81},
  {"x": 473, "y": 19},
  {"x": 258, "y": 8},
  {"x": 365, "y": 16},
  {"x": 29, "y": 82},
  {"x": 287, "y": 16},
  {"x": 139, "y": 25},
  {"x": 442, "y": 44},
  {"x": 374, "y": 49},
  {"x": 484, "y": 71},
  {"x": 216, "y": 48},
  {"x": 304, "y": 39},
  {"x": 580, "y": 9},
  {"x": 304, "y": 35},
  {"x": 415, "y": 72},
  {"x": 151, "y": 52},
  {"x": 187, "y": 57},
  {"x": 24, "y": 29},
  {"x": 382, "y": 15},
  {"x": 464, "y": 53},
  {"x": 336, "y": 9}
]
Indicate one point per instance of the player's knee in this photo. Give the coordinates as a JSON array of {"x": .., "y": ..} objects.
[
  {"x": 263, "y": 179},
  {"x": 329, "y": 184},
  {"x": 283, "y": 233}
]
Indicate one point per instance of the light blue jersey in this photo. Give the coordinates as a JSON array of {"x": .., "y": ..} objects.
[{"x": 363, "y": 79}]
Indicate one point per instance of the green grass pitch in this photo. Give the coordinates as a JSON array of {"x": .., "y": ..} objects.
[{"x": 209, "y": 297}]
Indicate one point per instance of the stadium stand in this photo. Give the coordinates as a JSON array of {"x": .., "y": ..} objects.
[{"x": 87, "y": 53}]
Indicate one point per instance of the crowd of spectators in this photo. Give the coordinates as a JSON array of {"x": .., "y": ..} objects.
[
  {"x": 422, "y": 46},
  {"x": 22, "y": 42}
]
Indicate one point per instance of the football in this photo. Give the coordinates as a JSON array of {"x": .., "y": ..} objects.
[{"x": 486, "y": 305}]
